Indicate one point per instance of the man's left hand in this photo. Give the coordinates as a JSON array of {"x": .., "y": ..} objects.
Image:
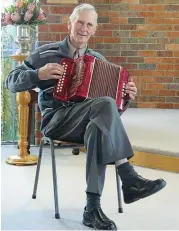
[{"x": 131, "y": 89}]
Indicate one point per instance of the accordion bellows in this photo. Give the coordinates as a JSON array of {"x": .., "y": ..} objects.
[{"x": 89, "y": 77}]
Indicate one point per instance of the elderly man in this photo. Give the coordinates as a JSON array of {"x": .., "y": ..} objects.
[{"x": 96, "y": 122}]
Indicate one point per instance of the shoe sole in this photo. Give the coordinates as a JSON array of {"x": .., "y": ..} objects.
[
  {"x": 156, "y": 189},
  {"x": 88, "y": 224}
]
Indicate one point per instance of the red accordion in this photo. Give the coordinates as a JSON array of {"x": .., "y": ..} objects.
[{"x": 89, "y": 77}]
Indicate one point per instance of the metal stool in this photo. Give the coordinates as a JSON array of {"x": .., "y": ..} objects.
[{"x": 55, "y": 186}]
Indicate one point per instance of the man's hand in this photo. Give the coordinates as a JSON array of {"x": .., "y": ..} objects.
[
  {"x": 50, "y": 71},
  {"x": 131, "y": 89}
]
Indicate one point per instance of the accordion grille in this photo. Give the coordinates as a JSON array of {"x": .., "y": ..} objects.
[{"x": 104, "y": 80}]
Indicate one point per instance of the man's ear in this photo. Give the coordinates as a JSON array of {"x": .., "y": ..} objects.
[
  {"x": 69, "y": 24},
  {"x": 95, "y": 30}
]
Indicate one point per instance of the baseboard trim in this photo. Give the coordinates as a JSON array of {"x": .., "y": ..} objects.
[
  {"x": 153, "y": 160},
  {"x": 156, "y": 161}
]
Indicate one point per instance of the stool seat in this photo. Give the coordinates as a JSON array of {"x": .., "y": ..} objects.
[{"x": 67, "y": 143}]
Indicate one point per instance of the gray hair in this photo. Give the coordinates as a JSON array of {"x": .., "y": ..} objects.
[{"x": 81, "y": 8}]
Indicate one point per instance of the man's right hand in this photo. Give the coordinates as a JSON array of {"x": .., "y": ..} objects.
[{"x": 50, "y": 71}]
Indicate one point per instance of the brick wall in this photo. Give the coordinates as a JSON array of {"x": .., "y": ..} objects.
[{"x": 142, "y": 35}]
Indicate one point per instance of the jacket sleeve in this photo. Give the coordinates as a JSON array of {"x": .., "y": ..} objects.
[{"x": 25, "y": 76}]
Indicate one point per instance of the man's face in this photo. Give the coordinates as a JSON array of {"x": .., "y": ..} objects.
[{"x": 82, "y": 28}]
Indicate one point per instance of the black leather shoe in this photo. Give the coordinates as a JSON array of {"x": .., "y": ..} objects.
[
  {"x": 98, "y": 220},
  {"x": 142, "y": 188}
]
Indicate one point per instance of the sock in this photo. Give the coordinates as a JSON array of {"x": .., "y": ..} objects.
[
  {"x": 93, "y": 201},
  {"x": 119, "y": 162},
  {"x": 127, "y": 174}
]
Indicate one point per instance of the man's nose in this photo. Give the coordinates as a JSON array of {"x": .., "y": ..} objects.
[{"x": 84, "y": 27}]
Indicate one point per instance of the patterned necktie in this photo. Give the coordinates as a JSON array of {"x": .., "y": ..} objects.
[{"x": 76, "y": 54}]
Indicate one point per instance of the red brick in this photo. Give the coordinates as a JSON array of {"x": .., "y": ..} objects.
[
  {"x": 156, "y": 99},
  {"x": 176, "y": 27},
  {"x": 63, "y": 35},
  {"x": 164, "y": 105},
  {"x": 164, "y": 67},
  {"x": 96, "y": 40},
  {"x": 137, "y": 73},
  {"x": 151, "y": 92},
  {"x": 164, "y": 79},
  {"x": 154, "y": 86},
  {"x": 166, "y": 93},
  {"x": 38, "y": 116},
  {"x": 128, "y": 27},
  {"x": 147, "y": 53},
  {"x": 38, "y": 134},
  {"x": 43, "y": 28},
  {"x": 135, "y": 59},
  {"x": 37, "y": 141},
  {"x": 176, "y": 105},
  {"x": 109, "y": 13},
  {"x": 58, "y": 28},
  {"x": 110, "y": 26},
  {"x": 49, "y": 37},
  {"x": 172, "y": 73},
  {"x": 161, "y": 60},
  {"x": 138, "y": 7},
  {"x": 173, "y": 34},
  {"x": 105, "y": 33},
  {"x": 65, "y": 18},
  {"x": 141, "y": 7},
  {"x": 130, "y": 1},
  {"x": 176, "y": 53},
  {"x": 116, "y": 60},
  {"x": 139, "y": 34},
  {"x": 167, "y": 14},
  {"x": 173, "y": 47},
  {"x": 146, "y": 14},
  {"x": 155, "y": 20},
  {"x": 130, "y": 66},
  {"x": 111, "y": 40},
  {"x": 155, "y": 73},
  {"x": 171, "y": 21},
  {"x": 165, "y": 53},
  {"x": 153, "y": 27},
  {"x": 45, "y": 8},
  {"x": 148, "y": 79},
  {"x": 60, "y": 10},
  {"x": 146, "y": 105},
  {"x": 118, "y": 20}
]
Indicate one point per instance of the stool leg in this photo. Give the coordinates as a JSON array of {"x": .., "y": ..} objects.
[
  {"x": 38, "y": 169},
  {"x": 120, "y": 209},
  {"x": 55, "y": 186}
]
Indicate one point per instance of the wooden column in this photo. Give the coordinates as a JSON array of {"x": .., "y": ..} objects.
[{"x": 23, "y": 99}]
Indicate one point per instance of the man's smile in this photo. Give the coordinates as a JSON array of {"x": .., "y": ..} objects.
[{"x": 81, "y": 34}]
